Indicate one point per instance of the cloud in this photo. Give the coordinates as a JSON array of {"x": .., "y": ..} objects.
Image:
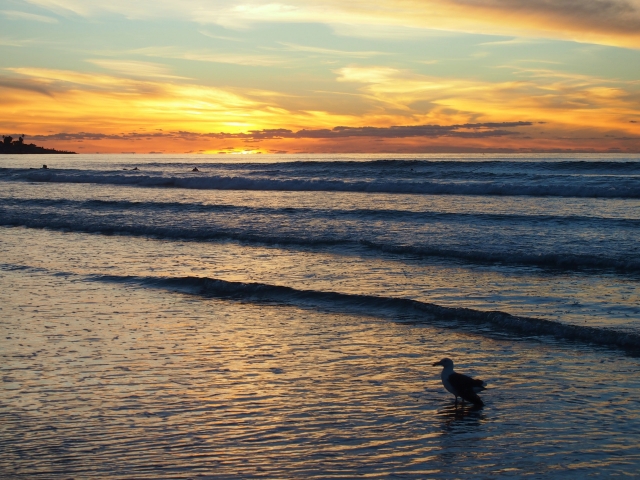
[
  {"x": 10, "y": 42},
  {"x": 109, "y": 103},
  {"x": 611, "y": 22},
  {"x": 135, "y": 69},
  {"x": 220, "y": 37},
  {"x": 572, "y": 99},
  {"x": 330, "y": 52},
  {"x": 378, "y": 31},
  {"x": 32, "y": 17},
  {"x": 372, "y": 74},
  {"x": 63, "y": 80},
  {"x": 621, "y": 15},
  {"x": 25, "y": 84},
  {"x": 507, "y": 43},
  {"x": 476, "y": 130},
  {"x": 208, "y": 56}
]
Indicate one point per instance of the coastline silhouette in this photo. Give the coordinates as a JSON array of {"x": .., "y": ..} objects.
[{"x": 9, "y": 145}]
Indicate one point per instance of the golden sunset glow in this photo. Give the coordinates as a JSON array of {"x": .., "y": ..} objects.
[{"x": 207, "y": 76}]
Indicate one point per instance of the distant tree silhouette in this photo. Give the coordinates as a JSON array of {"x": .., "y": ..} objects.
[{"x": 7, "y": 140}]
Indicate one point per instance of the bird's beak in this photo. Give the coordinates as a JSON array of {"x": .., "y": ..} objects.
[{"x": 437, "y": 363}]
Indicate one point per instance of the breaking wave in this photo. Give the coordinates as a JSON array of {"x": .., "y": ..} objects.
[
  {"x": 598, "y": 187},
  {"x": 557, "y": 260},
  {"x": 386, "y": 306},
  {"x": 357, "y": 213}
]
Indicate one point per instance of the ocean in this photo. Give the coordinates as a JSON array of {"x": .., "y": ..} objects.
[{"x": 277, "y": 316}]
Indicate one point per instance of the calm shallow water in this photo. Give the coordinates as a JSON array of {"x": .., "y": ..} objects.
[{"x": 251, "y": 321}]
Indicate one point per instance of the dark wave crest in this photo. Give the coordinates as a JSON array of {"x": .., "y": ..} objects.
[
  {"x": 563, "y": 261},
  {"x": 614, "y": 187},
  {"x": 387, "y": 306},
  {"x": 356, "y": 213}
]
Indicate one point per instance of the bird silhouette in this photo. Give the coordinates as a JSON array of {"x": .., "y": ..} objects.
[{"x": 460, "y": 385}]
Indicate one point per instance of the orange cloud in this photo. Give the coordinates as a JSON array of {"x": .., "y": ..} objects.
[
  {"x": 107, "y": 103},
  {"x": 575, "y": 101}
]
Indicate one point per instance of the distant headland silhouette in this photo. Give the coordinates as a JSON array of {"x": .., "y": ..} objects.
[{"x": 9, "y": 145}]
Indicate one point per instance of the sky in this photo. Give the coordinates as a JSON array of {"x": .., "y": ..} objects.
[{"x": 348, "y": 76}]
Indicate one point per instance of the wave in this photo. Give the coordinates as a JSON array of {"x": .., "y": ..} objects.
[
  {"x": 446, "y": 164},
  {"x": 558, "y": 261},
  {"x": 603, "y": 187},
  {"x": 379, "y": 306},
  {"x": 320, "y": 213},
  {"x": 563, "y": 261}
]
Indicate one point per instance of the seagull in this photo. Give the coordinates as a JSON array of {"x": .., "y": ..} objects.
[{"x": 460, "y": 385}]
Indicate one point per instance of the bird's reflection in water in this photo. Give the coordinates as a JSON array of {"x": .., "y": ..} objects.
[
  {"x": 462, "y": 437},
  {"x": 461, "y": 418}
]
